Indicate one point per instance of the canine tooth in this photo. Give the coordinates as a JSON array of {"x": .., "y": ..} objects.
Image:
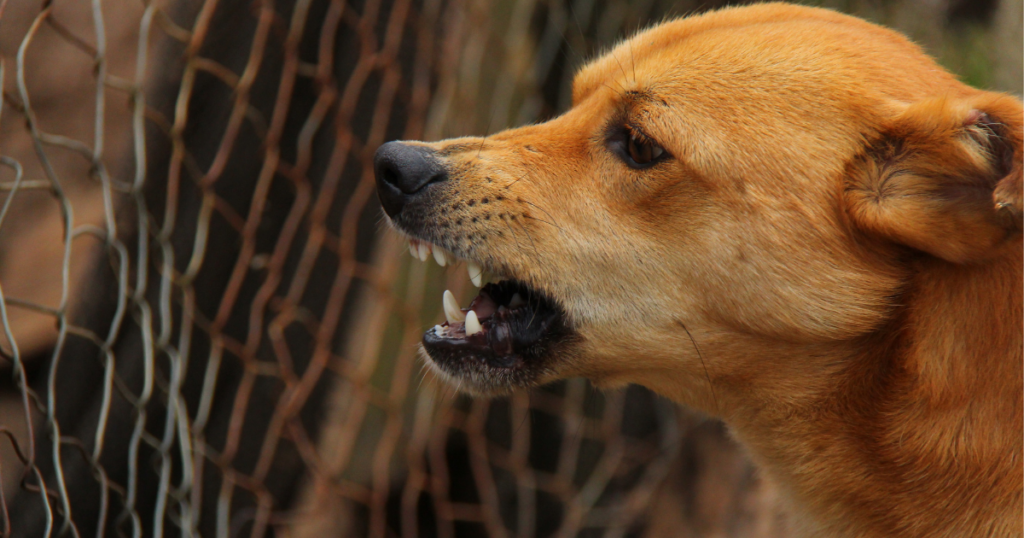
[
  {"x": 423, "y": 251},
  {"x": 516, "y": 301},
  {"x": 451, "y": 308},
  {"x": 440, "y": 256},
  {"x": 438, "y": 330},
  {"x": 412, "y": 250},
  {"x": 472, "y": 324},
  {"x": 476, "y": 274}
]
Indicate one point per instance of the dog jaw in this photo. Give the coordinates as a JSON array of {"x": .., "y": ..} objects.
[{"x": 783, "y": 267}]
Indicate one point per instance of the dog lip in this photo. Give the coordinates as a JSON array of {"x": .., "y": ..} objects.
[
  {"x": 424, "y": 249},
  {"x": 473, "y": 348}
]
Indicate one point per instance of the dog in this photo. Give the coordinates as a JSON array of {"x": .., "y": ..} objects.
[{"x": 789, "y": 218}]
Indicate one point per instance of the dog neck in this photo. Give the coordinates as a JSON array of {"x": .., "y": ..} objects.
[{"x": 931, "y": 413}]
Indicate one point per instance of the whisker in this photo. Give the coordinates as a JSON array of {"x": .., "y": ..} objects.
[
  {"x": 632, "y": 59},
  {"x": 621, "y": 68},
  {"x": 525, "y": 417},
  {"x": 579, "y": 28},
  {"x": 517, "y": 181},
  {"x": 518, "y": 246},
  {"x": 527, "y": 202},
  {"x": 701, "y": 356},
  {"x": 620, "y": 91},
  {"x": 481, "y": 148},
  {"x": 542, "y": 220},
  {"x": 534, "y": 316},
  {"x": 490, "y": 127},
  {"x": 423, "y": 376},
  {"x": 588, "y": 404},
  {"x": 530, "y": 237},
  {"x": 521, "y": 253},
  {"x": 537, "y": 257}
]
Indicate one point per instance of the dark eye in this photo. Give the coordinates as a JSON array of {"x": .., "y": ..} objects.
[{"x": 641, "y": 150}]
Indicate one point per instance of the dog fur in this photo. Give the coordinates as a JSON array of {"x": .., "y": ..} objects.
[{"x": 829, "y": 257}]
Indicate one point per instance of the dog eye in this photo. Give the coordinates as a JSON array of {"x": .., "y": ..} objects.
[{"x": 641, "y": 150}]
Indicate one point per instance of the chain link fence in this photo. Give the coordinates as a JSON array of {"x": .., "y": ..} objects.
[{"x": 206, "y": 330}]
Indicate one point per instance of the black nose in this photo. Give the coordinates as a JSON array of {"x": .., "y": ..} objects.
[{"x": 402, "y": 173}]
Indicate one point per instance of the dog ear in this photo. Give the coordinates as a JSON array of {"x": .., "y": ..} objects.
[{"x": 944, "y": 177}]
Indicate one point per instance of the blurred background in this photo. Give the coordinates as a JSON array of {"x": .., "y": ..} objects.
[{"x": 206, "y": 330}]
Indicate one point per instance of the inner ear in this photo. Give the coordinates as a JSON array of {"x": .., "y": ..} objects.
[
  {"x": 1009, "y": 191},
  {"x": 943, "y": 177}
]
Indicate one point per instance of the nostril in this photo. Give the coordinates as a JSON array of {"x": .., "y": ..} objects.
[
  {"x": 439, "y": 176},
  {"x": 390, "y": 175},
  {"x": 408, "y": 168},
  {"x": 403, "y": 171}
]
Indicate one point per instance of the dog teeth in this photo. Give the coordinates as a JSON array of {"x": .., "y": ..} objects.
[
  {"x": 476, "y": 274},
  {"x": 440, "y": 256},
  {"x": 423, "y": 251},
  {"x": 516, "y": 301},
  {"x": 452, "y": 311},
  {"x": 472, "y": 324}
]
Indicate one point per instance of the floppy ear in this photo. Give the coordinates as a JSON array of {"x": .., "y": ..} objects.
[{"x": 944, "y": 177}]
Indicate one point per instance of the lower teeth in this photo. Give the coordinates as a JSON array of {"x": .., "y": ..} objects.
[
  {"x": 472, "y": 324},
  {"x": 483, "y": 307}
]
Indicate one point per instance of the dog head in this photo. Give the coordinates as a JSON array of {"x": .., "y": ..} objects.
[{"x": 743, "y": 183}]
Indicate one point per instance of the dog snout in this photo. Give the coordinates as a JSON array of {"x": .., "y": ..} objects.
[{"x": 403, "y": 172}]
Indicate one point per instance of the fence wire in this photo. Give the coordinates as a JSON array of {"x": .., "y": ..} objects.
[
  {"x": 232, "y": 346},
  {"x": 205, "y": 327}
]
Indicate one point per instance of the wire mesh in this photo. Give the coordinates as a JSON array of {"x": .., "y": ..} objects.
[
  {"x": 235, "y": 348},
  {"x": 213, "y": 334}
]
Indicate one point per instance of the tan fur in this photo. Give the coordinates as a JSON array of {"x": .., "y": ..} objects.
[{"x": 838, "y": 228}]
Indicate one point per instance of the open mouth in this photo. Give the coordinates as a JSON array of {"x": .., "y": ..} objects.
[{"x": 509, "y": 326}]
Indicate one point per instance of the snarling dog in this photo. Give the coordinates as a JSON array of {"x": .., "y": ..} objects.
[{"x": 784, "y": 216}]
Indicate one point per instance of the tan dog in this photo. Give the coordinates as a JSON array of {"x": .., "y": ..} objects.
[{"x": 787, "y": 217}]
